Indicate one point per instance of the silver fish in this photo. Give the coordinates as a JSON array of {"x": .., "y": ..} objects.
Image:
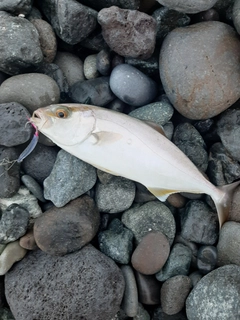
[{"x": 128, "y": 147}]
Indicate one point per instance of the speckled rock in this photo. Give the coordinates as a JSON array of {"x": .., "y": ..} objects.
[
  {"x": 16, "y": 7},
  {"x": 201, "y": 53},
  {"x": 207, "y": 259},
  {"x": 130, "y": 33},
  {"x": 206, "y": 300},
  {"x": 130, "y": 298},
  {"x": 148, "y": 289},
  {"x": 90, "y": 67},
  {"x": 188, "y": 6},
  {"x": 11, "y": 254},
  {"x": 34, "y": 187}
]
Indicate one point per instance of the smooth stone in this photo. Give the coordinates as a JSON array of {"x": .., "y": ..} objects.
[
  {"x": 208, "y": 15},
  {"x": 13, "y": 129},
  {"x": 176, "y": 200},
  {"x": 28, "y": 241},
  {"x": 90, "y": 67},
  {"x": 174, "y": 293},
  {"x": 148, "y": 289},
  {"x": 115, "y": 196},
  {"x": 207, "y": 300},
  {"x": 188, "y": 6},
  {"x": 199, "y": 223},
  {"x": 159, "y": 314},
  {"x": 24, "y": 199},
  {"x": 205, "y": 92},
  {"x": 195, "y": 277},
  {"x": 168, "y": 129},
  {"x": 10, "y": 255},
  {"x": 72, "y": 281},
  {"x": 100, "y": 4},
  {"x": 70, "y": 178},
  {"x": 142, "y": 194},
  {"x": 235, "y": 207},
  {"x": 32, "y": 90},
  {"x": 117, "y": 105},
  {"x": 139, "y": 27},
  {"x": 151, "y": 254},
  {"x": 130, "y": 298},
  {"x": 132, "y": 86},
  {"x": 178, "y": 263},
  {"x": 59, "y": 231},
  {"x": 116, "y": 242},
  {"x": 103, "y": 62},
  {"x": 151, "y": 216},
  {"x": 207, "y": 259},
  {"x": 105, "y": 177},
  {"x": 19, "y": 47},
  {"x": 33, "y": 186},
  {"x": 94, "y": 91},
  {"x": 16, "y": 7},
  {"x": 142, "y": 314}
]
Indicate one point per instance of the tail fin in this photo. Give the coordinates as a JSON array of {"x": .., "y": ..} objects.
[{"x": 223, "y": 204}]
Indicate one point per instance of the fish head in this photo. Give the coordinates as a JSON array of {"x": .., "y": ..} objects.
[{"x": 65, "y": 125}]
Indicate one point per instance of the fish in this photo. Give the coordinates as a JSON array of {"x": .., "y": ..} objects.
[{"x": 128, "y": 147}]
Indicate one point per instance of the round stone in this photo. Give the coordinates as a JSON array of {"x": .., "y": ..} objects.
[
  {"x": 90, "y": 67},
  {"x": 207, "y": 258},
  {"x": 188, "y": 6}
]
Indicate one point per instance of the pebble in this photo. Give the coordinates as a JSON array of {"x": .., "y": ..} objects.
[
  {"x": 126, "y": 4},
  {"x": 72, "y": 281},
  {"x": 200, "y": 95},
  {"x": 24, "y": 199},
  {"x": 189, "y": 6},
  {"x": 176, "y": 200},
  {"x": 59, "y": 231},
  {"x": 235, "y": 15},
  {"x": 178, "y": 263},
  {"x": 16, "y": 7},
  {"x": 117, "y": 105},
  {"x": 199, "y": 223},
  {"x": 71, "y": 65},
  {"x": 115, "y": 196},
  {"x": 20, "y": 49},
  {"x": 159, "y": 314},
  {"x": 28, "y": 241},
  {"x": 132, "y": 86},
  {"x": 142, "y": 194},
  {"x": 174, "y": 293},
  {"x": 103, "y": 62},
  {"x": 94, "y": 91},
  {"x": 148, "y": 289},
  {"x": 73, "y": 14},
  {"x": 130, "y": 33},
  {"x": 189, "y": 140},
  {"x": 90, "y": 67},
  {"x": 130, "y": 298},
  {"x": 195, "y": 277},
  {"x": 116, "y": 242},
  {"x": 10, "y": 255},
  {"x": 13, "y": 223},
  {"x": 207, "y": 259},
  {"x": 13, "y": 129},
  {"x": 70, "y": 178},
  {"x": 33, "y": 186},
  {"x": 151, "y": 254},
  {"x": 149, "y": 67},
  {"x": 5, "y": 314},
  {"x": 235, "y": 207},
  {"x": 215, "y": 295},
  {"x": 142, "y": 314},
  {"x": 32, "y": 90},
  {"x": 151, "y": 216}
]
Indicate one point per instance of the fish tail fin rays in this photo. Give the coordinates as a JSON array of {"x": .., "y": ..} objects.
[
  {"x": 162, "y": 194},
  {"x": 223, "y": 204}
]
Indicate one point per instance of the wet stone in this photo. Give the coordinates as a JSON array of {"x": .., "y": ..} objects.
[
  {"x": 148, "y": 289},
  {"x": 206, "y": 259},
  {"x": 188, "y": 6},
  {"x": 33, "y": 186},
  {"x": 130, "y": 298}
]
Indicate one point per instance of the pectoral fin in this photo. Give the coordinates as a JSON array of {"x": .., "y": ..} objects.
[
  {"x": 102, "y": 137},
  {"x": 162, "y": 194}
]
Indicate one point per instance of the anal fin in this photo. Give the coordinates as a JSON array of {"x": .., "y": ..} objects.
[{"x": 162, "y": 194}]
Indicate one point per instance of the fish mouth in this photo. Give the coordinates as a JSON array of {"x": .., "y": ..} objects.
[{"x": 38, "y": 119}]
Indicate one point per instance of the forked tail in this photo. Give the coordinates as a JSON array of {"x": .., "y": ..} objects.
[{"x": 223, "y": 201}]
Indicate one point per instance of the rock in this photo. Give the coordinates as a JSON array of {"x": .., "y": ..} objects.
[
  {"x": 189, "y": 140},
  {"x": 176, "y": 200},
  {"x": 16, "y": 7},
  {"x": 91, "y": 268},
  {"x": 130, "y": 298},
  {"x": 142, "y": 314},
  {"x": 95, "y": 42},
  {"x": 59, "y": 231},
  {"x": 130, "y": 33},
  {"x": 191, "y": 245},
  {"x": 117, "y": 105},
  {"x": 69, "y": 179},
  {"x": 195, "y": 277},
  {"x": 159, "y": 314},
  {"x": 115, "y": 196},
  {"x": 207, "y": 259},
  {"x": 28, "y": 241},
  {"x": 151, "y": 216},
  {"x": 204, "y": 93},
  {"x": 13, "y": 129},
  {"x": 149, "y": 67},
  {"x": 223, "y": 4},
  {"x": 34, "y": 14},
  {"x": 103, "y": 62},
  {"x": 189, "y": 6},
  {"x": 199, "y": 223},
  {"x": 19, "y": 48},
  {"x": 90, "y": 67},
  {"x": 24, "y": 199},
  {"x": 71, "y": 65},
  {"x": 32, "y": 90},
  {"x": 127, "y": 4},
  {"x": 206, "y": 300},
  {"x": 208, "y": 15},
  {"x": 13, "y": 223},
  {"x": 174, "y": 292},
  {"x": 178, "y": 263},
  {"x": 235, "y": 207},
  {"x": 235, "y": 15},
  {"x": 142, "y": 194},
  {"x": 228, "y": 244},
  {"x": 73, "y": 14},
  {"x": 11, "y": 254},
  {"x": 148, "y": 289},
  {"x": 6, "y": 314},
  {"x": 132, "y": 86},
  {"x": 151, "y": 253},
  {"x": 33, "y": 186},
  {"x": 116, "y": 242},
  {"x": 94, "y": 91}
]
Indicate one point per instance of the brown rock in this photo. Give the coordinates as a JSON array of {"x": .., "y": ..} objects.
[
  {"x": 63, "y": 230},
  {"x": 148, "y": 289},
  {"x": 176, "y": 200},
  {"x": 28, "y": 241},
  {"x": 234, "y": 213},
  {"x": 130, "y": 33},
  {"x": 151, "y": 254},
  {"x": 200, "y": 70}
]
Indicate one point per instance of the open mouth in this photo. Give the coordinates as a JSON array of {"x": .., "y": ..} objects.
[{"x": 36, "y": 116}]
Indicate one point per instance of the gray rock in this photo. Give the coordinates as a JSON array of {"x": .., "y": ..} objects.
[
  {"x": 208, "y": 298},
  {"x": 189, "y": 140},
  {"x": 5, "y": 314},
  {"x": 178, "y": 263},
  {"x": 104, "y": 62},
  {"x": 115, "y": 196},
  {"x": 207, "y": 259},
  {"x": 15, "y": 6},
  {"x": 13, "y": 224},
  {"x": 235, "y": 206},
  {"x": 32, "y": 90},
  {"x": 235, "y": 15},
  {"x": 19, "y": 46},
  {"x": 33, "y": 186},
  {"x": 116, "y": 242},
  {"x": 152, "y": 216},
  {"x": 195, "y": 276},
  {"x": 148, "y": 289},
  {"x": 223, "y": 4},
  {"x": 150, "y": 67},
  {"x": 34, "y": 14},
  {"x": 85, "y": 283},
  {"x": 142, "y": 314},
  {"x": 130, "y": 298},
  {"x": 188, "y": 6},
  {"x": 90, "y": 67},
  {"x": 132, "y": 86},
  {"x": 126, "y": 4},
  {"x": 95, "y": 42},
  {"x": 69, "y": 179},
  {"x": 66, "y": 17},
  {"x": 159, "y": 314}
]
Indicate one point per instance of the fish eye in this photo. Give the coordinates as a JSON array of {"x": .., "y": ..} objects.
[{"x": 62, "y": 113}]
